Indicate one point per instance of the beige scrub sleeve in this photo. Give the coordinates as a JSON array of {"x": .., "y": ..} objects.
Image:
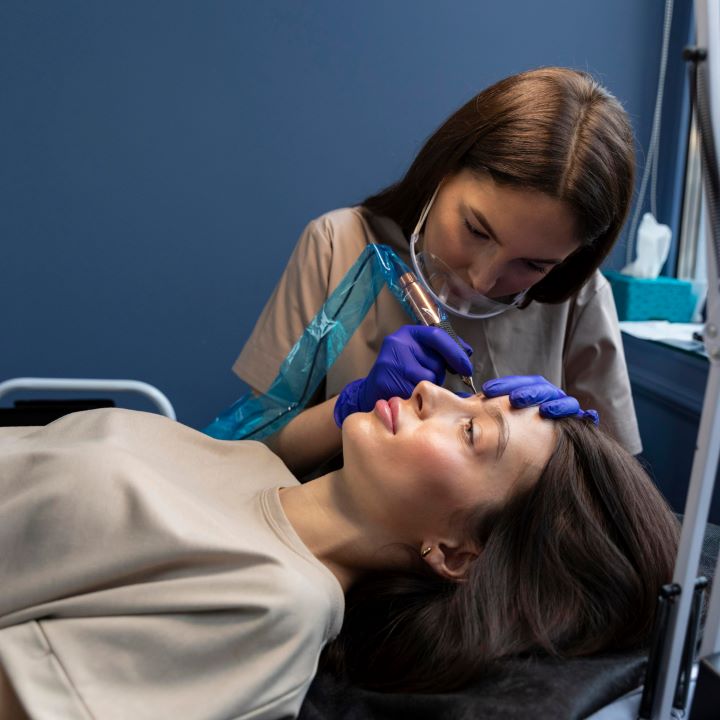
[
  {"x": 301, "y": 291},
  {"x": 327, "y": 249},
  {"x": 595, "y": 368}
]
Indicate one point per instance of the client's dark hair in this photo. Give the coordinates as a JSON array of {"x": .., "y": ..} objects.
[{"x": 569, "y": 567}]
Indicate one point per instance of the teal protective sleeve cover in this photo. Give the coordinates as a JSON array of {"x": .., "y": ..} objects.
[{"x": 254, "y": 417}]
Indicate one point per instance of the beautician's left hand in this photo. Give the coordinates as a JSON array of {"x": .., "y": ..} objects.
[{"x": 527, "y": 390}]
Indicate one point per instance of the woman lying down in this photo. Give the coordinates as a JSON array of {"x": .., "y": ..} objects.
[{"x": 149, "y": 571}]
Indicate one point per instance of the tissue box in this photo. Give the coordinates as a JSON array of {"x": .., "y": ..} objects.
[{"x": 662, "y": 298}]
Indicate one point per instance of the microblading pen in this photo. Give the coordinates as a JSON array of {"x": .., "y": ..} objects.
[{"x": 427, "y": 313}]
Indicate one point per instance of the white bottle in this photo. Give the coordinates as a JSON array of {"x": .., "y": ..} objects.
[{"x": 651, "y": 250}]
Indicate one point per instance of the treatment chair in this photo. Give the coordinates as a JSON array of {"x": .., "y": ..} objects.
[{"x": 41, "y": 412}]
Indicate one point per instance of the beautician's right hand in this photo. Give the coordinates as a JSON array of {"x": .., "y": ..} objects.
[{"x": 409, "y": 355}]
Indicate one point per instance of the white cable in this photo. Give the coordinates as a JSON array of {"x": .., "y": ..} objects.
[
  {"x": 650, "y": 171},
  {"x": 657, "y": 118}
]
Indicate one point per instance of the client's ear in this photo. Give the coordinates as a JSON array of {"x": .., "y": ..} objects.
[{"x": 449, "y": 559}]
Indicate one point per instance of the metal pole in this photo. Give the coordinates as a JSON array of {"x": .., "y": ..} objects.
[{"x": 707, "y": 452}]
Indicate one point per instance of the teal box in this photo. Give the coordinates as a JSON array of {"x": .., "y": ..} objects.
[{"x": 661, "y": 298}]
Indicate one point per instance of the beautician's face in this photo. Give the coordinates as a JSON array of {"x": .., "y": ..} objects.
[
  {"x": 417, "y": 462},
  {"x": 500, "y": 239}
]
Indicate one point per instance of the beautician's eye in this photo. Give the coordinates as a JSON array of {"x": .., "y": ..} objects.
[
  {"x": 535, "y": 267},
  {"x": 476, "y": 231}
]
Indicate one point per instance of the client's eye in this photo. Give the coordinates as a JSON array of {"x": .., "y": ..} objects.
[{"x": 468, "y": 431}]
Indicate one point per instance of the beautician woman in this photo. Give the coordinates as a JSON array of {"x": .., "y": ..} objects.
[{"x": 506, "y": 212}]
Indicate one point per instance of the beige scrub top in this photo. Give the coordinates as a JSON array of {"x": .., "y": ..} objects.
[
  {"x": 148, "y": 571},
  {"x": 575, "y": 344}
]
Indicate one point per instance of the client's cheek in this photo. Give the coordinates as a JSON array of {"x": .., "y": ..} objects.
[{"x": 443, "y": 485}]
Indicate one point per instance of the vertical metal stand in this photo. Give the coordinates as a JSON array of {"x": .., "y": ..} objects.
[
  {"x": 696, "y": 514},
  {"x": 707, "y": 453}
]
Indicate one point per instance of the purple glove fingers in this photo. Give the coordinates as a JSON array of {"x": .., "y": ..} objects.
[
  {"x": 347, "y": 401},
  {"x": 529, "y": 395},
  {"x": 529, "y": 390},
  {"x": 436, "y": 339},
  {"x": 505, "y": 385},
  {"x": 392, "y": 384},
  {"x": 562, "y": 407},
  {"x": 592, "y": 415},
  {"x": 552, "y": 411},
  {"x": 412, "y": 358},
  {"x": 467, "y": 348}
]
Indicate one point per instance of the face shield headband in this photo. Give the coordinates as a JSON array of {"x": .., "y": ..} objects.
[{"x": 447, "y": 288}]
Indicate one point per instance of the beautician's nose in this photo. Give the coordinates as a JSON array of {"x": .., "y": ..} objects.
[{"x": 484, "y": 275}]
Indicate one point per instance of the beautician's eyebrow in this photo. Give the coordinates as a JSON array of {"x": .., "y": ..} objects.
[
  {"x": 503, "y": 431},
  {"x": 483, "y": 221}
]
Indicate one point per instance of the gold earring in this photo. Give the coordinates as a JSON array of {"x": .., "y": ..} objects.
[{"x": 425, "y": 551}]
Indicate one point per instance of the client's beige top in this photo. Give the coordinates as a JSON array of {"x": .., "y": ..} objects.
[
  {"x": 148, "y": 571},
  {"x": 575, "y": 344}
]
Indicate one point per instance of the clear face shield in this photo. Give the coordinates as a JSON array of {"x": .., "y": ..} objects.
[{"x": 446, "y": 286}]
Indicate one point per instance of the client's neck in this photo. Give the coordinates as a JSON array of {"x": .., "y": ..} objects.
[{"x": 326, "y": 522}]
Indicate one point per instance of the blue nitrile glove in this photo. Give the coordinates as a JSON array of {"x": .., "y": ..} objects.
[
  {"x": 527, "y": 390},
  {"x": 407, "y": 356}
]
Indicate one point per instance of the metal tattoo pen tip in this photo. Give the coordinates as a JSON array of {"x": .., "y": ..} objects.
[{"x": 469, "y": 382}]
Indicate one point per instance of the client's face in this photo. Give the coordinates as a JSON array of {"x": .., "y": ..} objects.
[{"x": 415, "y": 463}]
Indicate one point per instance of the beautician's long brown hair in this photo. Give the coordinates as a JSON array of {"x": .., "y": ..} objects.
[
  {"x": 570, "y": 567},
  {"x": 554, "y": 130}
]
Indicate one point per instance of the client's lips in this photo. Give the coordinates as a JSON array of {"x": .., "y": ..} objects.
[
  {"x": 394, "y": 403},
  {"x": 385, "y": 413}
]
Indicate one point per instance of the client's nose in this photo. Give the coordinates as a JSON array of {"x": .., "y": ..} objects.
[
  {"x": 428, "y": 397},
  {"x": 424, "y": 397}
]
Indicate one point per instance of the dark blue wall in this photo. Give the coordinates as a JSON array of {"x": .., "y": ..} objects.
[{"x": 159, "y": 159}]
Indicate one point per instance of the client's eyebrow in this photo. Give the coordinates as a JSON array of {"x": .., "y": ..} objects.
[{"x": 503, "y": 431}]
